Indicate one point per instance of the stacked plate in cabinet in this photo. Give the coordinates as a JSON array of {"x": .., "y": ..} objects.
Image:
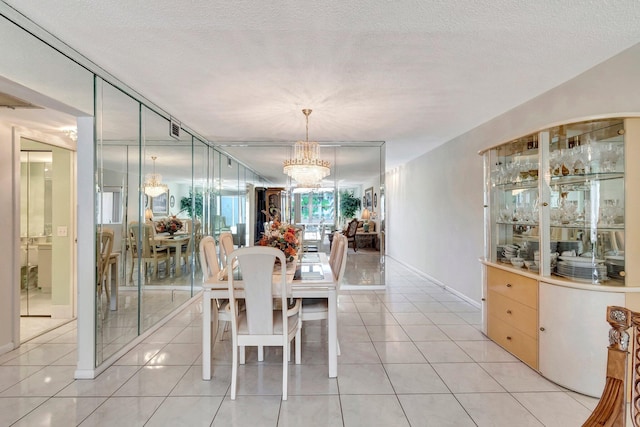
[
  {"x": 615, "y": 266},
  {"x": 582, "y": 268}
]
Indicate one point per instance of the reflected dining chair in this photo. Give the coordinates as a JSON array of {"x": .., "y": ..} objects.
[
  {"x": 314, "y": 237},
  {"x": 299, "y": 231},
  {"x": 260, "y": 324},
  {"x": 104, "y": 247},
  {"x": 318, "y": 308},
  {"x": 210, "y": 271},
  {"x": 186, "y": 251},
  {"x": 147, "y": 252},
  {"x": 350, "y": 233},
  {"x": 197, "y": 234}
]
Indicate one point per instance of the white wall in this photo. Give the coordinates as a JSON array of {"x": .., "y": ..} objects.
[
  {"x": 435, "y": 203},
  {"x": 29, "y": 62}
]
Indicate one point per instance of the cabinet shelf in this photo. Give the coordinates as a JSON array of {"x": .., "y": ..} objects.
[
  {"x": 518, "y": 185},
  {"x": 561, "y": 180},
  {"x": 586, "y": 225},
  {"x": 584, "y": 178}
]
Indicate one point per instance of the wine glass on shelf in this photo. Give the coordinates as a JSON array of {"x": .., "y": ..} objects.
[{"x": 577, "y": 158}]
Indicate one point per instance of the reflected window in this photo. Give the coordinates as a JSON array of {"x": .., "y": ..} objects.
[
  {"x": 230, "y": 209},
  {"x": 110, "y": 206},
  {"x": 317, "y": 206}
]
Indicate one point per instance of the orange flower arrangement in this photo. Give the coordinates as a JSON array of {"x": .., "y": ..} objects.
[{"x": 283, "y": 237}]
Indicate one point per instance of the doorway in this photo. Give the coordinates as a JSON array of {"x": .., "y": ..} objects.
[{"x": 45, "y": 278}]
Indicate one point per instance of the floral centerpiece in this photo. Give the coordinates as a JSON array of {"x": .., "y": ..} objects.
[
  {"x": 169, "y": 225},
  {"x": 283, "y": 237}
]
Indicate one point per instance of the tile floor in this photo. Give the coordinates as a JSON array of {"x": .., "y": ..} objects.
[{"x": 411, "y": 355}]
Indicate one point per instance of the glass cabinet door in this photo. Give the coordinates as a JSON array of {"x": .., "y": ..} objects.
[
  {"x": 514, "y": 201},
  {"x": 586, "y": 216}
]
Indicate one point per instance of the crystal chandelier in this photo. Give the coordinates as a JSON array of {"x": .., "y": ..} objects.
[
  {"x": 153, "y": 186},
  {"x": 306, "y": 167}
]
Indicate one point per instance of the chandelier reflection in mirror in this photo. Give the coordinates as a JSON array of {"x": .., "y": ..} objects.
[
  {"x": 306, "y": 167},
  {"x": 153, "y": 186}
]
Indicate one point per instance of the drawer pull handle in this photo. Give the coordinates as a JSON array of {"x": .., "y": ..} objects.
[
  {"x": 508, "y": 311},
  {"x": 509, "y": 338},
  {"x": 508, "y": 285}
]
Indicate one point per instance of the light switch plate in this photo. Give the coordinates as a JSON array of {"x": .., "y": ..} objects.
[{"x": 62, "y": 231}]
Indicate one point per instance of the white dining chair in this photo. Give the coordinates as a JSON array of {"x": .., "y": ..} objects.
[
  {"x": 318, "y": 308},
  {"x": 210, "y": 272},
  {"x": 260, "y": 324},
  {"x": 226, "y": 246},
  {"x": 334, "y": 249}
]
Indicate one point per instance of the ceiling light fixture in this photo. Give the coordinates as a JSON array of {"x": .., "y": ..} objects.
[
  {"x": 153, "y": 186},
  {"x": 306, "y": 167}
]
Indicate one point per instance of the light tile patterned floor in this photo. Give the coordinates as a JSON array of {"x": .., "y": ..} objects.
[{"x": 411, "y": 355}]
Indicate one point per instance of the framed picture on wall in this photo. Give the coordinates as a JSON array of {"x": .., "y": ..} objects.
[
  {"x": 160, "y": 204},
  {"x": 367, "y": 200}
]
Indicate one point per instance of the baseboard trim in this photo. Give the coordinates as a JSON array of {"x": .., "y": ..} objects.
[
  {"x": 7, "y": 347},
  {"x": 437, "y": 282}
]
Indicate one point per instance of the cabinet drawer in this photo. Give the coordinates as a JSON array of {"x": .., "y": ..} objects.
[
  {"x": 514, "y": 286},
  {"x": 514, "y": 313},
  {"x": 514, "y": 341}
]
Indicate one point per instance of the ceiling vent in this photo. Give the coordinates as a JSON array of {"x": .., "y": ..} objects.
[
  {"x": 8, "y": 101},
  {"x": 174, "y": 128}
]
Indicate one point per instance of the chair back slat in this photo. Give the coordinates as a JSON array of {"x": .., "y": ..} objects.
[
  {"x": 226, "y": 246},
  {"x": 256, "y": 264}
]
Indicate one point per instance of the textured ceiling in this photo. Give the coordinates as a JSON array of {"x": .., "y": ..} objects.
[{"x": 412, "y": 73}]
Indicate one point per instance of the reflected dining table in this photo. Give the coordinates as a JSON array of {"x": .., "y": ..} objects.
[
  {"x": 310, "y": 277},
  {"x": 175, "y": 241}
]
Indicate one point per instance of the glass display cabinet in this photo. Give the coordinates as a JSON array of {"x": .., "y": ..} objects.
[
  {"x": 576, "y": 172},
  {"x": 561, "y": 245}
]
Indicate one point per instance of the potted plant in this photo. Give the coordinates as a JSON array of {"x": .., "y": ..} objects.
[
  {"x": 349, "y": 205},
  {"x": 190, "y": 202}
]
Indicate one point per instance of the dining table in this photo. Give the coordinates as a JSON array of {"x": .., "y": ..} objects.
[
  {"x": 310, "y": 277},
  {"x": 176, "y": 241}
]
